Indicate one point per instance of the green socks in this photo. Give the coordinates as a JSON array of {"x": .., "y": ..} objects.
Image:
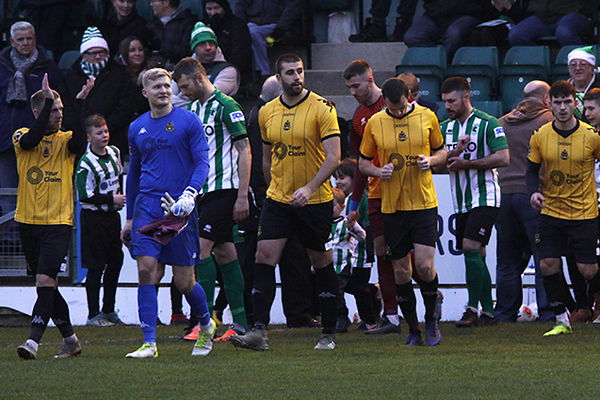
[
  {"x": 487, "y": 304},
  {"x": 206, "y": 275},
  {"x": 479, "y": 281},
  {"x": 233, "y": 282}
]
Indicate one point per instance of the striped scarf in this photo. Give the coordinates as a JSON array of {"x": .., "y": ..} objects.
[{"x": 93, "y": 69}]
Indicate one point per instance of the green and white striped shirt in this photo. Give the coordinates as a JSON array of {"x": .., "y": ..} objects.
[
  {"x": 347, "y": 249},
  {"x": 224, "y": 123},
  {"x": 98, "y": 175},
  {"x": 473, "y": 188}
]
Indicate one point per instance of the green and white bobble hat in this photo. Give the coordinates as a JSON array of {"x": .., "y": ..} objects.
[
  {"x": 92, "y": 38},
  {"x": 582, "y": 53}
]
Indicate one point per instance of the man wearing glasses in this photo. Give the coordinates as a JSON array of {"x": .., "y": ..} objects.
[
  {"x": 111, "y": 94},
  {"x": 582, "y": 68}
]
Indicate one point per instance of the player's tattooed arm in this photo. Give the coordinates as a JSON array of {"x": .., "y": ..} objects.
[{"x": 241, "y": 208}]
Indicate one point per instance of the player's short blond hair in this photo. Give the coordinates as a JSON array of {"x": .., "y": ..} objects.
[
  {"x": 154, "y": 74},
  {"x": 38, "y": 99}
]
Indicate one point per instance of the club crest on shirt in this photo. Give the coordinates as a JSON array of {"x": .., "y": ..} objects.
[
  {"x": 170, "y": 127},
  {"x": 564, "y": 155},
  {"x": 287, "y": 125},
  {"x": 402, "y": 136},
  {"x": 46, "y": 152}
]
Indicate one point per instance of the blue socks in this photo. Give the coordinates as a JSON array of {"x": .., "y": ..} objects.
[
  {"x": 148, "y": 311},
  {"x": 199, "y": 308}
]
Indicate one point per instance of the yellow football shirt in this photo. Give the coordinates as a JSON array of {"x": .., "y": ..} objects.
[
  {"x": 45, "y": 194},
  {"x": 568, "y": 165},
  {"x": 400, "y": 141},
  {"x": 295, "y": 135}
]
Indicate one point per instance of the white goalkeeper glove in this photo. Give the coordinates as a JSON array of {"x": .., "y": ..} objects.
[{"x": 185, "y": 203}]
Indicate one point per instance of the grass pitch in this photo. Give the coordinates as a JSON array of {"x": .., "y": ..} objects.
[{"x": 511, "y": 361}]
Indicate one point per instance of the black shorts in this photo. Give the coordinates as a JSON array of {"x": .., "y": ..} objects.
[
  {"x": 404, "y": 228},
  {"x": 100, "y": 239},
  {"x": 311, "y": 223},
  {"x": 556, "y": 237},
  {"x": 45, "y": 247},
  {"x": 215, "y": 215},
  {"x": 476, "y": 225}
]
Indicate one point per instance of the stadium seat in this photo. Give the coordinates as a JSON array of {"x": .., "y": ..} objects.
[
  {"x": 559, "y": 69},
  {"x": 494, "y": 108},
  {"x": 522, "y": 64},
  {"x": 480, "y": 66},
  {"x": 67, "y": 59},
  {"x": 429, "y": 65}
]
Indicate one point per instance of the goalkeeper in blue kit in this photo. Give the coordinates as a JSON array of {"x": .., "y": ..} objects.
[{"x": 168, "y": 165}]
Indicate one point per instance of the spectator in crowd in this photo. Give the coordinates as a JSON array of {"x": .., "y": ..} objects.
[
  {"x": 224, "y": 199},
  {"x": 268, "y": 21},
  {"x": 448, "y": 22},
  {"x": 179, "y": 169},
  {"x": 375, "y": 30},
  {"x": 410, "y": 222},
  {"x": 172, "y": 24},
  {"x": 121, "y": 21},
  {"x": 50, "y": 18},
  {"x": 517, "y": 221},
  {"x": 412, "y": 82},
  {"x": 232, "y": 34},
  {"x": 221, "y": 73},
  {"x": 133, "y": 55},
  {"x": 582, "y": 74},
  {"x": 495, "y": 32},
  {"x": 567, "y": 20},
  {"x": 45, "y": 211},
  {"x": 111, "y": 95},
  {"x": 22, "y": 66},
  {"x": 97, "y": 178},
  {"x": 476, "y": 198},
  {"x": 358, "y": 77},
  {"x": 299, "y": 197},
  {"x": 565, "y": 149}
]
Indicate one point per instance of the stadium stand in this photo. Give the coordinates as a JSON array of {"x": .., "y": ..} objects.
[
  {"x": 480, "y": 66},
  {"x": 427, "y": 63}
]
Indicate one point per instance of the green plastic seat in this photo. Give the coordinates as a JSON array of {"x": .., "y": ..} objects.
[
  {"x": 479, "y": 65},
  {"x": 429, "y": 66},
  {"x": 494, "y": 108}
]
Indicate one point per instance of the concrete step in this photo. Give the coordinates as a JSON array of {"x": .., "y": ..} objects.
[
  {"x": 331, "y": 82},
  {"x": 344, "y": 105},
  {"x": 381, "y": 56}
]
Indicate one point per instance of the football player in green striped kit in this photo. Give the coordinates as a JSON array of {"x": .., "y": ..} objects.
[
  {"x": 476, "y": 146},
  {"x": 224, "y": 199}
]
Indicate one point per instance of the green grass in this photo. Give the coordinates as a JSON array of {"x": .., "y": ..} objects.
[{"x": 503, "y": 362}]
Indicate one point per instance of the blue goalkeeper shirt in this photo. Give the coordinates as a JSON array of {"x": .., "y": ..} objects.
[{"x": 167, "y": 154}]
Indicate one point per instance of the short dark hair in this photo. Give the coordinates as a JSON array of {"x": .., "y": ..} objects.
[
  {"x": 455, "y": 83},
  {"x": 393, "y": 89},
  {"x": 94, "y": 121},
  {"x": 562, "y": 89},
  {"x": 188, "y": 66},
  {"x": 592, "y": 94},
  {"x": 357, "y": 67},
  {"x": 286, "y": 58},
  {"x": 346, "y": 168}
]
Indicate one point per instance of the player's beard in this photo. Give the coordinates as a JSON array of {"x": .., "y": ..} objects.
[{"x": 293, "y": 90}]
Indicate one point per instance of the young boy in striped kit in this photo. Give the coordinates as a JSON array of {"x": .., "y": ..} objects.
[{"x": 97, "y": 180}]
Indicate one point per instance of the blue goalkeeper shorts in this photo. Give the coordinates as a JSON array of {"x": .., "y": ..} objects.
[{"x": 182, "y": 250}]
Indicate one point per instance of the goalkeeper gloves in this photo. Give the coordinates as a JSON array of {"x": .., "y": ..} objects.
[{"x": 183, "y": 206}]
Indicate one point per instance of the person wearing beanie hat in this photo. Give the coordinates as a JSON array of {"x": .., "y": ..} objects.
[
  {"x": 112, "y": 94},
  {"x": 582, "y": 67},
  {"x": 222, "y": 74}
]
